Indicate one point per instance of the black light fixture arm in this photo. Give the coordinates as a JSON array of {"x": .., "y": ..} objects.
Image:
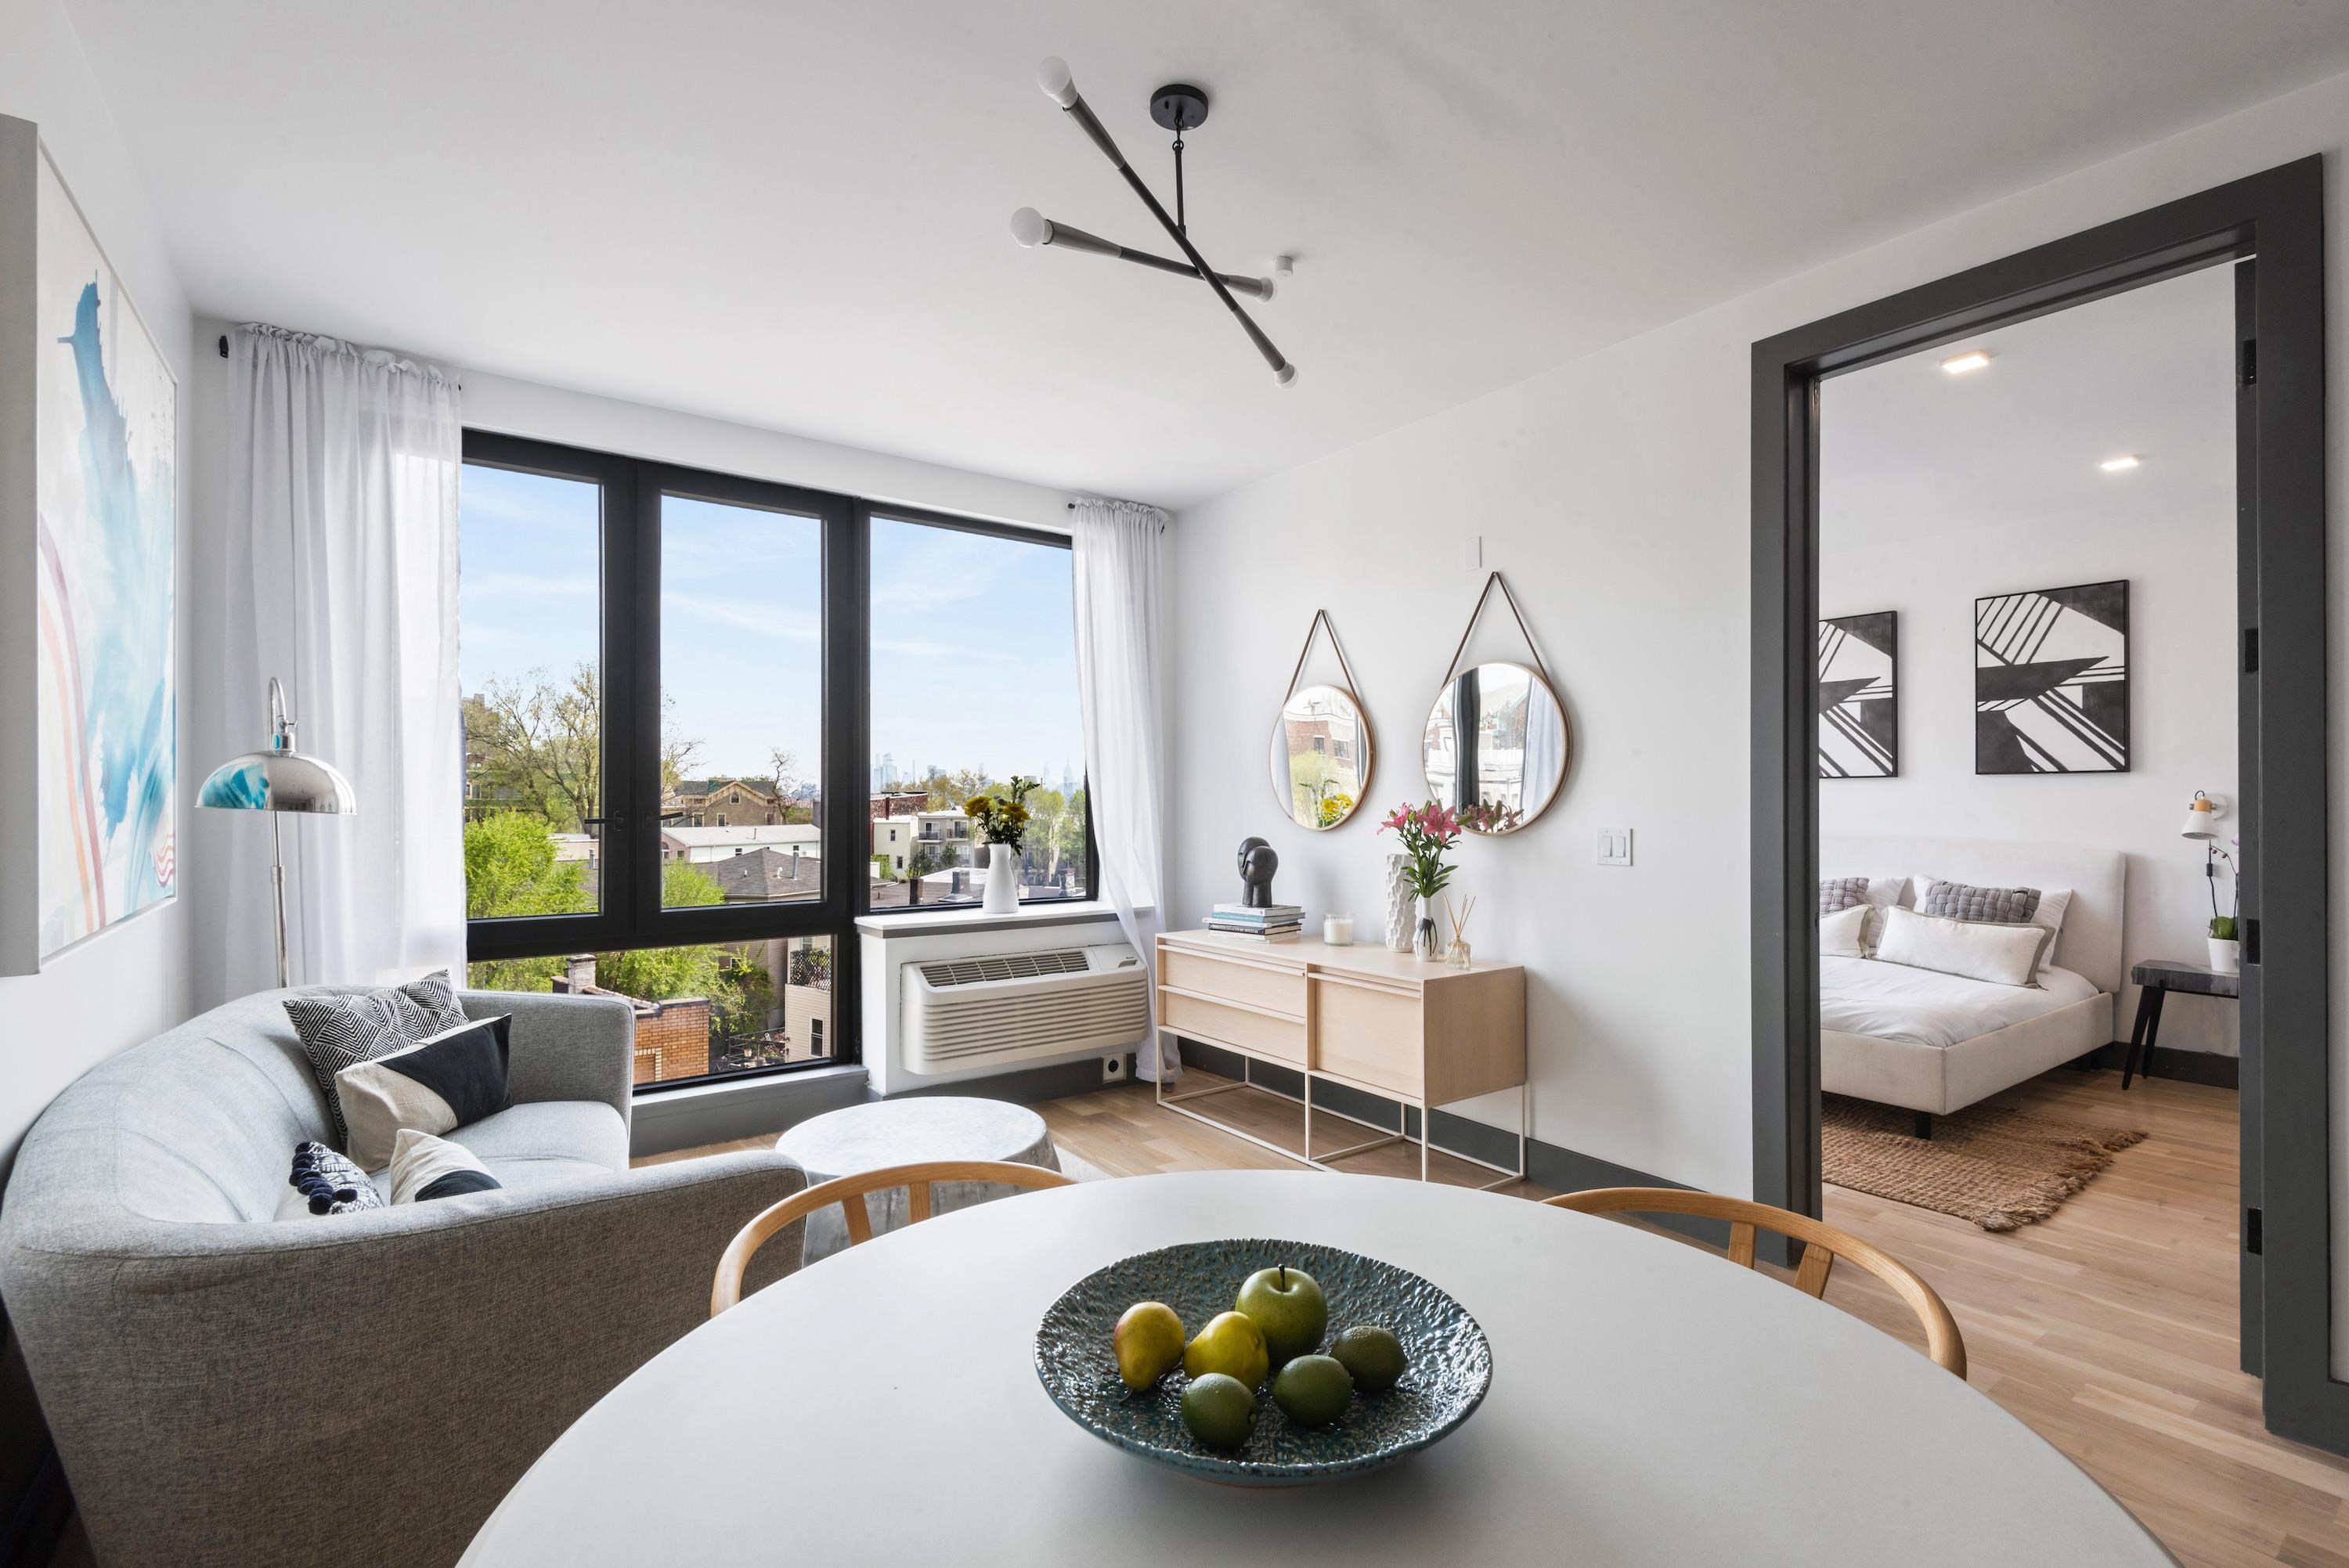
[
  {"x": 1054, "y": 80},
  {"x": 1030, "y": 227}
]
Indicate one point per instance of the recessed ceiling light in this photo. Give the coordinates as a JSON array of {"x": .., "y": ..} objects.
[
  {"x": 1958, "y": 364},
  {"x": 2118, "y": 465}
]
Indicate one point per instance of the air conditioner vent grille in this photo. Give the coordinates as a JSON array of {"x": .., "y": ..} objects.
[{"x": 1006, "y": 966}]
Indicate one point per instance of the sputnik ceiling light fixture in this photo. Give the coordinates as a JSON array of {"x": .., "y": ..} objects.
[{"x": 1179, "y": 108}]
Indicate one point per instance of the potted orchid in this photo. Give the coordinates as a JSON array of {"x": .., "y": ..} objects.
[
  {"x": 1426, "y": 831},
  {"x": 2226, "y": 952}
]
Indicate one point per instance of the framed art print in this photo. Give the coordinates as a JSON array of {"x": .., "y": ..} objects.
[{"x": 2052, "y": 680}]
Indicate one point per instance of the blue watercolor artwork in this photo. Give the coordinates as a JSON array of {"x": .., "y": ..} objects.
[{"x": 107, "y": 487}]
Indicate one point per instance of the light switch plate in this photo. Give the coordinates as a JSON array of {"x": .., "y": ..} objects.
[{"x": 1614, "y": 846}]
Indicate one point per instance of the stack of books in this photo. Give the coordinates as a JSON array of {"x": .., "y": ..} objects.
[{"x": 1274, "y": 923}]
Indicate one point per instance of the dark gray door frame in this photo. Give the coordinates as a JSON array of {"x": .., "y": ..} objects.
[{"x": 2282, "y": 722}]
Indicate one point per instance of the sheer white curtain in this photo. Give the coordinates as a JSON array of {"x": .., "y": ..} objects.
[
  {"x": 1121, "y": 570},
  {"x": 340, "y": 567}
]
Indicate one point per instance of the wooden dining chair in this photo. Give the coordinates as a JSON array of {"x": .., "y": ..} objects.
[
  {"x": 849, "y": 1191},
  {"x": 1822, "y": 1244}
]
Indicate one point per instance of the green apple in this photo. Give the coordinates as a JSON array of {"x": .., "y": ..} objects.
[
  {"x": 1230, "y": 1344},
  {"x": 1313, "y": 1390},
  {"x": 1287, "y": 1304},
  {"x": 1218, "y": 1410}
]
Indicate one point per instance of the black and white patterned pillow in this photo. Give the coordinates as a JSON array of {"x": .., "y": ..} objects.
[
  {"x": 332, "y": 1184},
  {"x": 1840, "y": 893},
  {"x": 338, "y": 1031},
  {"x": 1982, "y": 905}
]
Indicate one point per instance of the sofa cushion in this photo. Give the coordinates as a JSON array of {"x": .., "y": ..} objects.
[{"x": 533, "y": 1144}]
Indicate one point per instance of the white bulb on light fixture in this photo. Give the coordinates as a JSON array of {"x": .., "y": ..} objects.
[
  {"x": 1958, "y": 364},
  {"x": 1030, "y": 227},
  {"x": 1058, "y": 85},
  {"x": 2119, "y": 465},
  {"x": 1284, "y": 266},
  {"x": 1286, "y": 376}
]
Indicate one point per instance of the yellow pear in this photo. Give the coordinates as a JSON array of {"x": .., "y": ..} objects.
[
  {"x": 1148, "y": 1342},
  {"x": 1232, "y": 1345}
]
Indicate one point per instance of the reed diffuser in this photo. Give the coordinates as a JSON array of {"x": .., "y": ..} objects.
[{"x": 1456, "y": 955}]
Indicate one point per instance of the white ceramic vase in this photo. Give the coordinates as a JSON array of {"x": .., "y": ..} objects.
[
  {"x": 2226, "y": 957},
  {"x": 1002, "y": 879},
  {"x": 1403, "y": 905}
]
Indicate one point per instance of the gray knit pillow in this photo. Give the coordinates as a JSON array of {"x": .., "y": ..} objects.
[
  {"x": 1840, "y": 893},
  {"x": 1982, "y": 905}
]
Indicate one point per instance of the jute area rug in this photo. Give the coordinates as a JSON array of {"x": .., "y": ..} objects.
[{"x": 1999, "y": 1169}]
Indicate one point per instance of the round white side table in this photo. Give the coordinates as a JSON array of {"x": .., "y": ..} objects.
[{"x": 901, "y": 1132}]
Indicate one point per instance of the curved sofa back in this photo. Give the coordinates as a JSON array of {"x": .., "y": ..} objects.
[{"x": 196, "y": 1126}]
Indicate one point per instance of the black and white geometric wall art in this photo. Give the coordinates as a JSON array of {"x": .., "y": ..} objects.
[
  {"x": 2052, "y": 681},
  {"x": 1860, "y": 699}
]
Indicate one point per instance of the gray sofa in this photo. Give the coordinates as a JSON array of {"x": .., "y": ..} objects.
[{"x": 228, "y": 1387}]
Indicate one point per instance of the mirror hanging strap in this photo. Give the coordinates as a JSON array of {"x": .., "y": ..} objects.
[
  {"x": 1321, "y": 623},
  {"x": 1491, "y": 581}
]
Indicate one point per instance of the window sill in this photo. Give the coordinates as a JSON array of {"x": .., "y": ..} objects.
[
  {"x": 693, "y": 1116},
  {"x": 969, "y": 917}
]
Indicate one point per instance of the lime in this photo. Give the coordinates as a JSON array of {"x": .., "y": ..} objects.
[
  {"x": 1313, "y": 1390},
  {"x": 1219, "y": 1410},
  {"x": 1372, "y": 1354}
]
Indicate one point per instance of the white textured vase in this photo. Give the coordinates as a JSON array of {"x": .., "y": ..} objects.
[
  {"x": 1002, "y": 879},
  {"x": 1403, "y": 905}
]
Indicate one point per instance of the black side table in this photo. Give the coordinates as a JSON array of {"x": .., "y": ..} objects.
[{"x": 2159, "y": 977}]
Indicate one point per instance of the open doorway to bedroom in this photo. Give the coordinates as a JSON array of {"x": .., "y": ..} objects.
[
  {"x": 2040, "y": 615},
  {"x": 2026, "y": 696}
]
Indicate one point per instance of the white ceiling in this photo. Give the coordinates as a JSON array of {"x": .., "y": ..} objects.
[
  {"x": 795, "y": 214},
  {"x": 1908, "y": 448}
]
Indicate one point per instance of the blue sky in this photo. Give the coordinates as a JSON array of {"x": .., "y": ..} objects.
[{"x": 973, "y": 637}]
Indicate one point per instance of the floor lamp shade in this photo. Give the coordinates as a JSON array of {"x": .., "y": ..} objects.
[{"x": 276, "y": 780}]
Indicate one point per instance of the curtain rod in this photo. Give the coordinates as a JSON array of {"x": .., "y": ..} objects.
[{"x": 460, "y": 386}]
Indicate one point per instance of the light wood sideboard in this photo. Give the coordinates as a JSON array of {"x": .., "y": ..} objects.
[{"x": 1390, "y": 1024}]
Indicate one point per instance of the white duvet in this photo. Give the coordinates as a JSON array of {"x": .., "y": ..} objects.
[{"x": 1927, "y": 1007}]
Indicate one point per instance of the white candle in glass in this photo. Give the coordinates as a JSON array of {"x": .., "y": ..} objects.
[{"x": 1337, "y": 930}]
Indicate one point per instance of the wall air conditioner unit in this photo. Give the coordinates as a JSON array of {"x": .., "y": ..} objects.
[{"x": 962, "y": 1013}]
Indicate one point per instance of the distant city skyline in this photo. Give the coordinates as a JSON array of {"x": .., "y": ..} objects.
[{"x": 973, "y": 637}]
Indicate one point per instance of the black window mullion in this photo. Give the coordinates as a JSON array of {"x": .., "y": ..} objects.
[{"x": 847, "y": 742}]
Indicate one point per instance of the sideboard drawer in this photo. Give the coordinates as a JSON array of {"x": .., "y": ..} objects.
[
  {"x": 1212, "y": 1021},
  {"x": 1370, "y": 1034},
  {"x": 1253, "y": 985}
]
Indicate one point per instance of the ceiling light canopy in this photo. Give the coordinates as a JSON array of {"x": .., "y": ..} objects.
[
  {"x": 1178, "y": 106},
  {"x": 1972, "y": 359},
  {"x": 2121, "y": 464}
]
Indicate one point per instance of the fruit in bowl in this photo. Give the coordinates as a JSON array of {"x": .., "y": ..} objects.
[
  {"x": 1218, "y": 1410},
  {"x": 1288, "y": 1306},
  {"x": 1231, "y": 1343},
  {"x": 1313, "y": 1390},
  {"x": 1372, "y": 1354},
  {"x": 1148, "y": 1344}
]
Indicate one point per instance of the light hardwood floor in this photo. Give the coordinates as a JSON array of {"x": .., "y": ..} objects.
[{"x": 2109, "y": 1329}]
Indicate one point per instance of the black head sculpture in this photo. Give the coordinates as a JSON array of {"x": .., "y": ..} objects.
[{"x": 1257, "y": 862}]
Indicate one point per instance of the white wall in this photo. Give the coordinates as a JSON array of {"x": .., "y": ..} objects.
[
  {"x": 1614, "y": 492},
  {"x": 130, "y": 983}
]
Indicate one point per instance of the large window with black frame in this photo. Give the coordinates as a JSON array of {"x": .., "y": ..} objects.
[{"x": 668, "y": 674}]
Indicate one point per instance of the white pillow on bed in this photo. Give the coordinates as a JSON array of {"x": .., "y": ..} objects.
[
  {"x": 1978, "y": 949},
  {"x": 1843, "y": 935}
]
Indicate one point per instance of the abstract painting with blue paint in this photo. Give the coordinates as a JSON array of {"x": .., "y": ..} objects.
[{"x": 106, "y": 537}]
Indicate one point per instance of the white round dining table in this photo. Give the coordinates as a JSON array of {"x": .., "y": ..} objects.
[{"x": 1651, "y": 1403}]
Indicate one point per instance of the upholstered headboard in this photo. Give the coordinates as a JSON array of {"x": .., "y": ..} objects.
[{"x": 2090, "y": 942}]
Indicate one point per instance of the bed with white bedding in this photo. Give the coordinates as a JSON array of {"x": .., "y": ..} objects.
[{"x": 1934, "y": 1042}]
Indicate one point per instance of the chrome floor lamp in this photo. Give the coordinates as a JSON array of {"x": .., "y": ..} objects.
[{"x": 278, "y": 780}]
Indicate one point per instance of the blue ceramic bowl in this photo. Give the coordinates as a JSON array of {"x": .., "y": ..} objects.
[{"x": 1450, "y": 1364}]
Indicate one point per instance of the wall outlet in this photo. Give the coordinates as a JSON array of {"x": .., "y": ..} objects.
[
  {"x": 1114, "y": 1069},
  {"x": 1614, "y": 846}
]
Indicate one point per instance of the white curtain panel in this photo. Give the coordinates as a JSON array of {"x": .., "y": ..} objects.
[
  {"x": 1122, "y": 578},
  {"x": 341, "y": 580}
]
